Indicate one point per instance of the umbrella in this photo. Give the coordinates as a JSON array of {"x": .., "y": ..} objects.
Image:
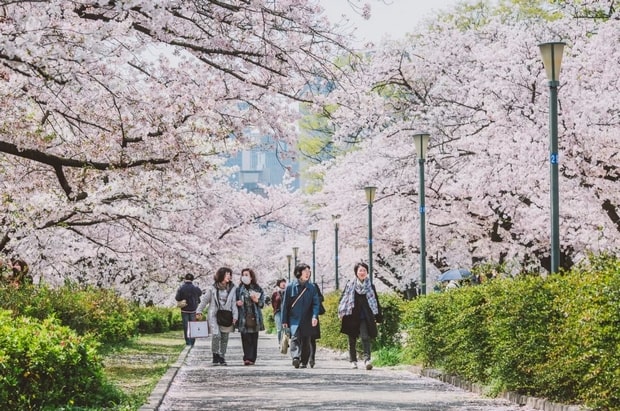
[{"x": 455, "y": 274}]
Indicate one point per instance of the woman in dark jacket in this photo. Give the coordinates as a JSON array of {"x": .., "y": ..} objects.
[
  {"x": 300, "y": 313},
  {"x": 250, "y": 302},
  {"x": 359, "y": 311}
]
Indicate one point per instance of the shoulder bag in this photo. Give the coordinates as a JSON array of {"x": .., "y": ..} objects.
[{"x": 224, "y": 318}]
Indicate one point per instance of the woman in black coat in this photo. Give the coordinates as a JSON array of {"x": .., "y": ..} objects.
[{"x": 360, "y": 311}]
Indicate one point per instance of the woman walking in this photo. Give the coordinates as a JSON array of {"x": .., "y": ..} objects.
[
  {"x": 276, "y": 304},
  {"x": 250, "y": 301},
  {"x": 221, "y": 299},
  {"x": 360, "y": 311},
  {"x": 300, "y": 313}
]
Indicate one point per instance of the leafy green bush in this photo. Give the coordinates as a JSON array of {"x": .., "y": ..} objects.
[
  {"x": 583, "y": 363},
  {"x": 269, "y": 320},
  {"x": 46, "y": 365},
  {"x": 330, "y": 324},
  {"x": 520, "y": 314},
  {"x": 85, "y": 309},
  {"x": 389, "y": 329},
  {"x": 153, "y": 319},
  {"x": 554, "y": 337}
]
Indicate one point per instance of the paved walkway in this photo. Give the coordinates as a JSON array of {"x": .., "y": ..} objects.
[{"x": 273, "y": 384}]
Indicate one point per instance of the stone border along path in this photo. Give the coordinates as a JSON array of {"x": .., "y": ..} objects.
[{"x": 193, "y": 383}]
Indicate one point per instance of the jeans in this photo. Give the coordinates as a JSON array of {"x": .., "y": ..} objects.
[
  {"x": 187, "y": 317},
  {"x": 278, "y": 319},
  {"x": 365, "y": 343}
]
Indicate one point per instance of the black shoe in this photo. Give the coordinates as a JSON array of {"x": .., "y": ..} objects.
[
  {"x": 296, "y": 362},
  {"x": 303, "y": 366},
  {"x": 311, "y": 363},
  {"x": 222, "y": 361},
  {"x": 216, "y": 359}
]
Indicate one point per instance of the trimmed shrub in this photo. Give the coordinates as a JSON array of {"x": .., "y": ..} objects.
[
  {"x": 583, "y": 363},
  {"x": 153, "y": 319},
  {"x": 87, "y": 310},
  {"x": 46, "y": 365}
]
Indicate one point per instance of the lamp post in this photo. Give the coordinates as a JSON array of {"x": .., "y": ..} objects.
[
  {"x": 552, "y": 59},
  {"x": 370, "y": 198},
  {"x": 288, "y": 258},
  {"x": 313, "y": 234},
  {"x": 295, "y": 251},
  {"x": 420, "y": 141},
  {"x": 336, "y": 227}
]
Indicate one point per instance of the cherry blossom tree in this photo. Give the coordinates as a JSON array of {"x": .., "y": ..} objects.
[
  {"x": 481, "y": 92},
  {"x": 114, "y": 118}
]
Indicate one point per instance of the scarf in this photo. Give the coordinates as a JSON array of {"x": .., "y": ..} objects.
[{"x": 348, "y": 297}]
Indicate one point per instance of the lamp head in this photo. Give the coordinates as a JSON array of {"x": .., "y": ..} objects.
[
  {"x": 420, "y": 141},
  {"x": 551, "y": 54},
  {"x": 313, "y": 234},
  {"x": 370, "y": 194}
]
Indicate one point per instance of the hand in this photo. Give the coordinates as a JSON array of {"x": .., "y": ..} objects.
[
  {"x": 284, "y": 325},
  {"x": 199, "y": 316},
  {"x": 315, "y": 321},
  {"x": 239, "y": 303}
]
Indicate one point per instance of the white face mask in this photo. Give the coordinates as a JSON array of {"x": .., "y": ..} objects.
[{"x": 246, "y": 280}]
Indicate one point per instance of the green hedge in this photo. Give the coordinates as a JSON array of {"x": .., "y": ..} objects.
[
  {"x": 44, "y": 365},
  {"x": 557, "y": 338}
]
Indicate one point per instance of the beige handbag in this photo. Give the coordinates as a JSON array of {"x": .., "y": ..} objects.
[{"x": 284, "y": 343}]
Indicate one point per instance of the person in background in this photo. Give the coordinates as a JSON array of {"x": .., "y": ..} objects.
[
  {"x": 360, "y": 311},
  {"x": 191, "y": 294},
  {"x": 250, "y": 301},
  {"x": 220, "y": 296},
  {"x": 300, "y": 313},
  {"x": 276, "y": 304}
]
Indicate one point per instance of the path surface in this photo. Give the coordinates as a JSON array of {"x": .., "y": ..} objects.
[{"x": 273, "y": 384}]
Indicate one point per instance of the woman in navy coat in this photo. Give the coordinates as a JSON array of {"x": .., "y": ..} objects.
[{"x": 300, "y": 313}]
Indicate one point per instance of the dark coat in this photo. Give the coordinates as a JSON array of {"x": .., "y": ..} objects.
[
  {"x": 190, "y": 293},
  {"x": 299, "y": 317},
  {"x": 361, "y": 312},
  {"x": 248, "y": 304}
]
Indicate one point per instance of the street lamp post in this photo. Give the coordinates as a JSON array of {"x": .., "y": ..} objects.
[
  {"x": 288, "y": 258},
  {"x": 336, "y": 227},
  {"x": 552, "y": 60},
  {"x": 295, "y": 251},
  {"x": 313, "y": 234},
  {"x": 370, "y": 198},
  {"x": 420, "y": 141}
]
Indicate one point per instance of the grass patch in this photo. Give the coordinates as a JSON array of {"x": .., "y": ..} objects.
[{"x": 137, "y": 366}]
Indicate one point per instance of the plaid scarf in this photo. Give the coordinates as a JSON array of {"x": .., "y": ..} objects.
[{"x": 348, "y": 297}]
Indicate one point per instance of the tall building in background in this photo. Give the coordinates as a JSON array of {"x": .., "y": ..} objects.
[{"x": 261, "y": 166}]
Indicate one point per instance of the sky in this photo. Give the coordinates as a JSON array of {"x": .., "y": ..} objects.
[{"x": 394, "y": 18}]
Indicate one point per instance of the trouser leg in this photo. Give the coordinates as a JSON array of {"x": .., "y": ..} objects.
[
  {"x": 352, "y": 348},
  {"x": 295, "y": 346},
  {"x": 246, "y": 342},
  {"x": 365, "y": 340},
  {"x": 306, "y": 348}
]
